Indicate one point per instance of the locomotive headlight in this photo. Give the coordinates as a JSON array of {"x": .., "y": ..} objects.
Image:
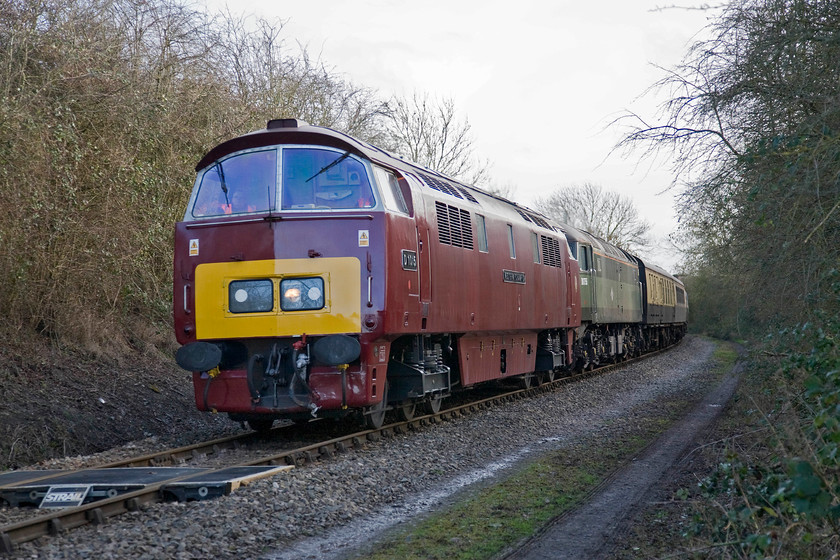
[
  {"x": 292, "y": 295},
  {"x": 250, "y": 296},
  {"x": 302, "y": 293}
]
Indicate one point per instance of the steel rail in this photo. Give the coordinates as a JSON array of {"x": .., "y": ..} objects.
[
  {"x": 97, "y": 512},
  {"x": 173, "y": 456}
]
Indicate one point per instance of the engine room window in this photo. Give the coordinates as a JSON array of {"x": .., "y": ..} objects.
[
  {"x": 535, "y": 245},
  {"x": 482, "y": 233},
  {"x": 237, "y": 185},
  {"x": 316, "y": 178},
  {"x": 389, "y": 187},
  {"x": 510, "y": 242}
]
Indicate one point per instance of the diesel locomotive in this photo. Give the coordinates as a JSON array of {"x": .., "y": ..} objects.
[{"x": 316, "y": 275}]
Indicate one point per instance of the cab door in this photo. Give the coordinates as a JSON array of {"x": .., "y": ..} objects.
[{"x": 424, "y": 249}]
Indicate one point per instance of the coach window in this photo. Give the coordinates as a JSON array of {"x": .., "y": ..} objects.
[
  {"x": 535, "y": 245},
  {"x": 482, "y": 233},
  {"x": 510, "y": 242},
  {"x": 584, "y": 258},
  {"x": 389, "y": 187}
]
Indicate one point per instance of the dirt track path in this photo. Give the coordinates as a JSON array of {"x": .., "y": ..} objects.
[{"x": 585, "y": 532}]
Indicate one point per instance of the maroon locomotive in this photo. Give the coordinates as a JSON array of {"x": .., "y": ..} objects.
[{"x": 316, "y": 275}]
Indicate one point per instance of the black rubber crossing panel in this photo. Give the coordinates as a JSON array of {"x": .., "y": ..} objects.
[
  {"x": 103, "y": 483},
  {"x": 20, "y": 488},
  {"x": 212, "y": 484},
  {"x": 11, "y": 478}
]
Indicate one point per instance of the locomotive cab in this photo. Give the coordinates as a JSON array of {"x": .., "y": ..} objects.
[{"x": 279, "y": 276}]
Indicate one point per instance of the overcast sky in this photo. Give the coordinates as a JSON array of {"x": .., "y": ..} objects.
[{"x": 539, "y": 81}]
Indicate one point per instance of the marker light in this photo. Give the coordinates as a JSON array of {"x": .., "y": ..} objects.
[{"x": 251, "y": 296}]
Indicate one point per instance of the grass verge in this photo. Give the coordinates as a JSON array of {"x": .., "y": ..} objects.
[
  {"x": 760, "y": 486},
  {"x": 485, "y": 523}
]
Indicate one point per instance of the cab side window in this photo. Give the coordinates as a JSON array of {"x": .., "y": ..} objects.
[
  {"x": 389, "y": 187},
  {"x": 584, "y": 258}
]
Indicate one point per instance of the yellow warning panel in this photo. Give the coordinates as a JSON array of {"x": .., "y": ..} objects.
[{"x": 341, "y": 313}]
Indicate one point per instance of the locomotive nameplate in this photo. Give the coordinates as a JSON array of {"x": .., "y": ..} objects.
[
  {"x": 409, "y": 260},
  {"x": 513, "y": 277}
]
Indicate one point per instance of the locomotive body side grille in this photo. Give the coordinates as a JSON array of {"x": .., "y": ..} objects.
[
  {"x": 551, "y": 251},
  {"x": 454, "y": 226}
]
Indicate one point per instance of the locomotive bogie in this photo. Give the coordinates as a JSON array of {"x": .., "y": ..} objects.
[{"x": 418, "y": 368}]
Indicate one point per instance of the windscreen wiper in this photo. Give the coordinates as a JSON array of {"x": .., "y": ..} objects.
[
  {"x": 221, "y": 174},
  {"x": 334, "y": 163}
]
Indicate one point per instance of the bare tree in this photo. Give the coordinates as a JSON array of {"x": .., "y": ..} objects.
[
  {"x": 609, "y": 215},
  {"x": 505, "y": 190},
  {"x": 106, "y": 106},
  {"x": 428, "y": 132},
  {"x": 272, "y": 79},
  {"x": 751, "y": 129}
]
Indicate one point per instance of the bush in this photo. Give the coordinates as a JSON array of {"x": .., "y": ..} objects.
[
  {"x": 776, "y": 493},
  {"x": 105, "y": 106}
]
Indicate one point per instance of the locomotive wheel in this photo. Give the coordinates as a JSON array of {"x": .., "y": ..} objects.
[
  {"x": 375, "y": 415},
  {"x": 260, "y": 424},
  {"x": 407, "y": 411},
  {"x": 433, "y": 404},
  {"x": 528, "y": 380}
]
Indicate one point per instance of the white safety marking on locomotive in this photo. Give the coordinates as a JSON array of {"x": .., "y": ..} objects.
[
  {"x": 193, "y": 247},
  {"x": 364, "y": 238}
]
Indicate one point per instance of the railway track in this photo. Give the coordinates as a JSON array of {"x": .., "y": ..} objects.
[{"x": 98, "y": 512}]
